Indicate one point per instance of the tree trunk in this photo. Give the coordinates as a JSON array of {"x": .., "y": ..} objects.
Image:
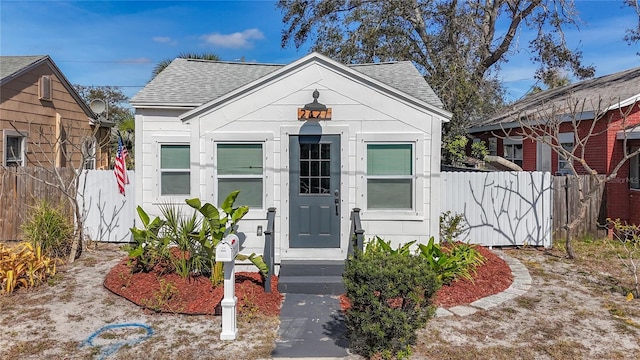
[{"x": 571, "y": 228}]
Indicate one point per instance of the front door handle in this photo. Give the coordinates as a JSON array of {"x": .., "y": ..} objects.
[{"x": 337, "y": 201}]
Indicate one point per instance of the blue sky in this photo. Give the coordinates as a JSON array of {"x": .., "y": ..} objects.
[{"x": 118, "y": 42}]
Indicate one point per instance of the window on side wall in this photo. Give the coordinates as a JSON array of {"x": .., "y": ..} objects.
[
  {"x": 175, "y": 170},
  {"x": 564, "y": 163},
  {"x": 634, "y": 171},
  {"x": 89, "y": 152},
  {"x": 513, "y": 150},
  {"x": 390, "y": 171},
  {"x": 14, "y": 154},
  {"x": 493, "y": 146},
  {"x": 240, "y": 166}
]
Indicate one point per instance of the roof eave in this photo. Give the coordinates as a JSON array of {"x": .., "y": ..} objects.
[
  {"x": 585, "y": 115},
  {"x": 155, "y": 105}
]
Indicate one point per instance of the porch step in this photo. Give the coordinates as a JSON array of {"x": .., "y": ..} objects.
[{"x": 311, "y": 277}]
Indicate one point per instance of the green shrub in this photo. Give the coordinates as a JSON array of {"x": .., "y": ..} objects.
[
  {"x": 459, "y": 262},
  {"x": 49, "y": 228},
  {"x": 195, "y": 237},
  {"x": 451, "y": 226},
  {"x": 390, "y": 295},
  {"x": 149, "y": 247}
]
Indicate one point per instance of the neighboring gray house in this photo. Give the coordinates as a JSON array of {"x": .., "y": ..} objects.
[{"x": 314, "y": 139}]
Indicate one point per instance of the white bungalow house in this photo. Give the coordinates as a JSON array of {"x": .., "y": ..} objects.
[{"x": 314, "y": 139}]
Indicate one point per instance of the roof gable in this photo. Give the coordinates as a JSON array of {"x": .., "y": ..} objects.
[
  {"x": 12, "y": 67},
  {"x": 192, "y": 83}
]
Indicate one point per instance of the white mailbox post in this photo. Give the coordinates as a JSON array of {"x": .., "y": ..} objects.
[{"x": 226, "y": 252}]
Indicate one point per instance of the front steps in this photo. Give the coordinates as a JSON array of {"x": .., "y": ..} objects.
[{"x": 311, "y": 277}]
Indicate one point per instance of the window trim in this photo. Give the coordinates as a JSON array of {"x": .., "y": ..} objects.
[
  {"x": 513, "y": 142},
  {"x": 421, "y": 181},
  {"x": 262, "y": 177},
  {"x": 160, "y": 195},
  {"x": 410, "y": 177},
  {"x": 492, "y": 143},
  {"x": 634, "y": 171},
  {"x": 22, "y": 135},
  {"x": 89, "y": 152},
  {"x": 210, "y": 191},
  {"x": 565, "y": 138}
]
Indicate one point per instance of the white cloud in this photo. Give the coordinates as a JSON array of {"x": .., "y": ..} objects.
[{"x": 235, "y": 40}]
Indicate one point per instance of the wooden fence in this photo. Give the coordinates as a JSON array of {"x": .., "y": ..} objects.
[
  {"x": 566, "y": 203},
  {"x": 22, "y": 188}
]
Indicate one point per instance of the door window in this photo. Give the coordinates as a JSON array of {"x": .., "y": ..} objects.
[{"x": 315, "y": 169}]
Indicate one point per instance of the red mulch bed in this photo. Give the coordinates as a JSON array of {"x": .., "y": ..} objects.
[
  {"x": 196, "y": 295},
  {"x": 491, "y": 278},
  {"x": 193, "y": 295}
]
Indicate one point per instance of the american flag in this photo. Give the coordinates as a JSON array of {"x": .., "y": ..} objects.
[{"x": 120, "y": 168}]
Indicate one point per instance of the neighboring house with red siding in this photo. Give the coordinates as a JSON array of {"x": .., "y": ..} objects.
[
  {"x": 43, "y": 120},
  {"x": 607, "y": 108}
]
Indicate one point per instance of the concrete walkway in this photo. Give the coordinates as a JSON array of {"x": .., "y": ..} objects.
[{"x": 312, "y": 326}]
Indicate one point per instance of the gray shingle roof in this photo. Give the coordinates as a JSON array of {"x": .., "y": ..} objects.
[
  {"x": 404, "y": 76},
  {"x": 195, "y": 82},
  {"x": 10, "y": 65},
  {"x": 595, "y": 94}
]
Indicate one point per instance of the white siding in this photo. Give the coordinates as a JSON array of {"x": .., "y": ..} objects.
[{"x": 268, "y": 112}]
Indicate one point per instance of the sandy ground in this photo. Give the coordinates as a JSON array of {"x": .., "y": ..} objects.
[
  {"x": 67, "y": 320},
  {"x": 574, "y": 310}
]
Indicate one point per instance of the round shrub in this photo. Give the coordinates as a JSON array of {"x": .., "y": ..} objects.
[{"x": 390, "y": 295}]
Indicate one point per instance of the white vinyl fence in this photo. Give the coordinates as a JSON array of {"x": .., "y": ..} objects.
[
  {"x": 108, "y": 214},
  {"x": 501, "y": 208}
]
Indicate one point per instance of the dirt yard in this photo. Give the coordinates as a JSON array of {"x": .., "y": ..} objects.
[{"x": 574, "y": 310}]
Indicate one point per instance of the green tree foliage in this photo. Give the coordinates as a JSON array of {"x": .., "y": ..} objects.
[
  {"x": 118, "y": 111},
  {"x": 633, "y": 34},
  {"x": 458, "y": 45},
  {"x": 185, "y": 55}
]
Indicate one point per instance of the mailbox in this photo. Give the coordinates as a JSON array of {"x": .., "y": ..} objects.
[{"x": 227, "y": 249}]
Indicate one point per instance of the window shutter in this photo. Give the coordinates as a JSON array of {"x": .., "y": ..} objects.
[{"x": 44, "y": 88}]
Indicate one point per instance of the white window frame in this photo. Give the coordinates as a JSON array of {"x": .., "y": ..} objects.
[
  {"x": 634, "y": 171},
  {"x": 209, "y": 191},
  {"x": 262, "y": 177},
  {"x": 419, "y": 179},
  {"x": 22, "y": 135},
  {"x": 170, "y": 197},
  {"x": 565, "y": 139},
  {"x": 513, "y": 142}
]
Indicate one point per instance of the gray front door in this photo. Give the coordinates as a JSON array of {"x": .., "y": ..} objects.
[{"x": 314, "y": 212}]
